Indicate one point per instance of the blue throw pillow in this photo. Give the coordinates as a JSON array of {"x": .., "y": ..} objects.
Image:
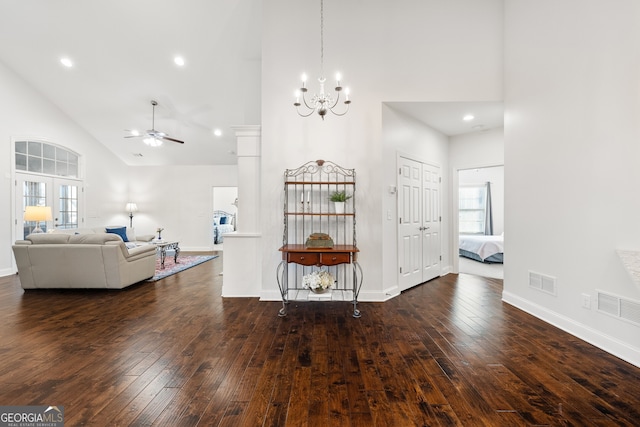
[
  {"x": 223, "y": 220},
  {"x": 121, "y": 231}
]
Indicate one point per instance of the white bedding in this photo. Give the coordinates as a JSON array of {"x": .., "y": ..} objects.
[{"x": 483, "y": 246}]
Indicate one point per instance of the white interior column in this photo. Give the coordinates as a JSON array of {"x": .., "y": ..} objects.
[{"x": 242, "y": 256}]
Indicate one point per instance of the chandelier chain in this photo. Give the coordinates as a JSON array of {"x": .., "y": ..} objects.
[{"x": 321, "y": 38}]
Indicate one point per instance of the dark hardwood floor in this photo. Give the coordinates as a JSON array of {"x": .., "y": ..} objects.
[{"x": 174, "y": 353}]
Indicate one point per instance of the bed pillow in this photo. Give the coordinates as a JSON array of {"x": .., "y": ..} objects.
[
  {"x": 120, "y": 231},
  {"x": 223, "y": 220}
]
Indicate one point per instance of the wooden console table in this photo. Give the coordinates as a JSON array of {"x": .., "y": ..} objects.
[{"x": 300, "y": 254}]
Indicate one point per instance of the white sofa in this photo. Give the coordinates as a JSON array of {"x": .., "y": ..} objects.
[
  {"x": 90, "y": 260},
  {"x": 132, "y": 238}
]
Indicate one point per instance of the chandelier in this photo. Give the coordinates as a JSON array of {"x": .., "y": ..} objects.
[{"x": 321, "y": 102}]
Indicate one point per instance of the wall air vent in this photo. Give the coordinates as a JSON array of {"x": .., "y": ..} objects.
[
  {"x": 620, "y": 307},
  {"x": 543, "y": 283}
]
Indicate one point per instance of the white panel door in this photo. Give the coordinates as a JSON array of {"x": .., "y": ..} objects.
[
  {"x": 418, "y": 223},
  {"x": 409, "y": 219},
  {"x": 430, "y": 222}
]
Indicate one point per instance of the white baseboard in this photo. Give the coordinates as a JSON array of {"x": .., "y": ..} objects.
[
  {"x": 609, "y": 344},
  {"x": 445, "y": 270},
  {"x": 270, "y": 296},
  {"x": 196, "y": 249},
  {"x": 7, "y": 272}
]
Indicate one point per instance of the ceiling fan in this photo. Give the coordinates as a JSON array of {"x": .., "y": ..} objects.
[{"x": 152, "y": 137}]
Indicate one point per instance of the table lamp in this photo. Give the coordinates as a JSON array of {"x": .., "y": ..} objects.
[
  {"x": 38, "y": 214},
  {"x": 131, "y": 208}
]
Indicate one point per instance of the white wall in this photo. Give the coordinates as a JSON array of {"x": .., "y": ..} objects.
[
  {"x": 224, "y": 197},
  {"x": 477, "y": 149},
  {"x": 572, "y": 155},
  {"x": 407, "y": 50},
  {"x": 26, "y": 114}
]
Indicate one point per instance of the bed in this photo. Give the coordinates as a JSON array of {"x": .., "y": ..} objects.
[
  {"x": 223, "y": 222},
  {"x": 489, "y": 249}
]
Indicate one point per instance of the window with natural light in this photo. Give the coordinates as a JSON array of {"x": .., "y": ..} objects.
[
  {"x": 40, "y": 157},
  {"x": 471, "y": 208}
]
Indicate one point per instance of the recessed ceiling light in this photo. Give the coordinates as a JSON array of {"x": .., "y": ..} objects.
[
  {"x": 468, "y": 117},
  {"x": 135, "y": 133},
  {"x": 66, "y": 62},
  {"x": 217, "y": 132},
  {"x": 179, "y": 61}
]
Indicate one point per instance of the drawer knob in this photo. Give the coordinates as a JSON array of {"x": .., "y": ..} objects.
[{"x": 333, "y": 259}]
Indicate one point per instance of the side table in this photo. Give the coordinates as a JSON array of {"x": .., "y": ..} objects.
[{"x": 163, "y": 246}]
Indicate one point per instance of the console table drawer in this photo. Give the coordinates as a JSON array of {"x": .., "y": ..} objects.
[
  {"x": 334, "y": 259},
  {"x": 304, "y": 258}
]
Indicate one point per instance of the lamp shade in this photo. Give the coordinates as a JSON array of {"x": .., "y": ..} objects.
[
  {"x": 37, "y": 213},
  {"x": 131, "y": 207}
]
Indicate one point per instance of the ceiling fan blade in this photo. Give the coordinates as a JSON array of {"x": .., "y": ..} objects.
[
  {"x": 153, "y": 133},
  {"x": 172, "y": 139}
]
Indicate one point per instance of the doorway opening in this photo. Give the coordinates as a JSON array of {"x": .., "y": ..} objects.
[
  {"x": 224, "y": 214},
  {"x": 480, "y": 221}
]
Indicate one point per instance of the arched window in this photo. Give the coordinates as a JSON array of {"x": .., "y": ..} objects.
[{"x": 44, "y": 158}]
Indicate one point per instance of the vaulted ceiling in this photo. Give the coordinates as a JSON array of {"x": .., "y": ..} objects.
[{"x": 123, "y": 57}]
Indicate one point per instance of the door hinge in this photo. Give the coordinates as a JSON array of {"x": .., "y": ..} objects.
[
  {"x": 400, "y": 270},
  {"x": 440, "y": 179},
  {"x": 440, "y": 257},
  {"x": 399, "y": 171},
  {"x": 400, "y": 220}
]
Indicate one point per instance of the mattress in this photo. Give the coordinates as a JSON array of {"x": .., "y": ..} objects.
[{"x": 482, "y": 248}]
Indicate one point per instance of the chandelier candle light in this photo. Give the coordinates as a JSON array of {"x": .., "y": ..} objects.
[{"x": 321, "y": 102}]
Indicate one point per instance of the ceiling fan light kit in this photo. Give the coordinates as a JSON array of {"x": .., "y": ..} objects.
[{"x": 152, "y": 137}]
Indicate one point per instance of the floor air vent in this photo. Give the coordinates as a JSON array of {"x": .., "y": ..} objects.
[
  {"x": 542, "y": 283},
  {"x": 622, "y": 308}
]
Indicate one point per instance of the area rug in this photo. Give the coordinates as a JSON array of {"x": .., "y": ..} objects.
[{"x": 184, "y": 262}]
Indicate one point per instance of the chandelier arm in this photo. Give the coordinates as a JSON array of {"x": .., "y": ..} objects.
[
  {"x": 335, "y": 103},
  {"x": 304, "y": 115},
  {"x": 304, "y": 100},
  {"x": 341, "y": 114}
]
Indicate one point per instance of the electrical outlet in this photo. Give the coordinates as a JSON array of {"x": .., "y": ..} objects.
[{"x": 586, "y": 301}]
